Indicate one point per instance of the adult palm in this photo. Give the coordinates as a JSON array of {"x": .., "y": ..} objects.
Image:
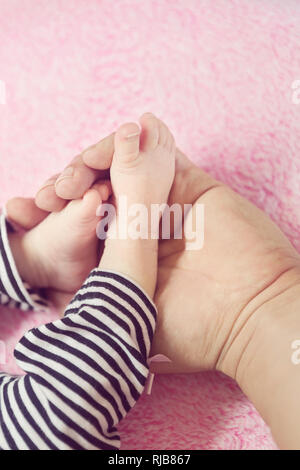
[{"x": 209, "y": 300}]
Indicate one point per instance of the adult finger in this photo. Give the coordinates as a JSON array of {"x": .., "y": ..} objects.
[
  {"x": 23, "y": 213},
  {"x": 190, "y": 181},
  {"x": 46, "y": 197},
  {"x": 91, "y": 165},
  {"x": 99, "y": 156},
  {"x": 77, "y": 178}
]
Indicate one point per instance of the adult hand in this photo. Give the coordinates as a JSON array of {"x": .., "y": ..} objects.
[{"x": 209, "y": 300}]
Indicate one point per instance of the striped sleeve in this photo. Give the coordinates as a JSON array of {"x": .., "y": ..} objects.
[
  {"x": 84, "y": 371},
  {"x": 14, "y": 292}
]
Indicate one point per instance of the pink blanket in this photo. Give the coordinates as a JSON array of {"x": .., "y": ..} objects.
[{"x": 221, "y": 74}]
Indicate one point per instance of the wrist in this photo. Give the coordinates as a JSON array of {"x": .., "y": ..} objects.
[
  {"x": 262, "y": 361},
  {"x": 259, "y": 324}
]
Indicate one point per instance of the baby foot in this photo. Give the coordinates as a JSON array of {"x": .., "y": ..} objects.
[
  {"x": 63, "y": 249},
  {"x": 142, "y": 170},
  {"x": 143, "y": 165}
]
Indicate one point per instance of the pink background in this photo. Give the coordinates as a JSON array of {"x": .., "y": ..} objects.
[{"x": 220, "y": 74}]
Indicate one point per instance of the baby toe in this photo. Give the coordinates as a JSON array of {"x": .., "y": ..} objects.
[
  {"x": 127, "y": 143},
  {"x": 150, "y": 132}
]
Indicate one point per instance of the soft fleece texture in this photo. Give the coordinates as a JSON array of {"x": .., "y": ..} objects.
[{"x": 220, "y": 74}]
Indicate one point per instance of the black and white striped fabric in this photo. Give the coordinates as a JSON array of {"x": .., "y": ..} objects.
[
  {"x": 84, "y": 372},
  {"x": 13, "y": 292}
]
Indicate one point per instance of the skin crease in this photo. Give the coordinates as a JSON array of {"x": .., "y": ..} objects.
[
  {"x": 216, "y": 287},
  {"x": 214, "y": 303}
]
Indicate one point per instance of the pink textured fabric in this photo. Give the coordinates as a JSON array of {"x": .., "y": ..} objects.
[{"x": 220, "y": 73}]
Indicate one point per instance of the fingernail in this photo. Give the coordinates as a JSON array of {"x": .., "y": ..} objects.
[{"x": 67, "y": 173}]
